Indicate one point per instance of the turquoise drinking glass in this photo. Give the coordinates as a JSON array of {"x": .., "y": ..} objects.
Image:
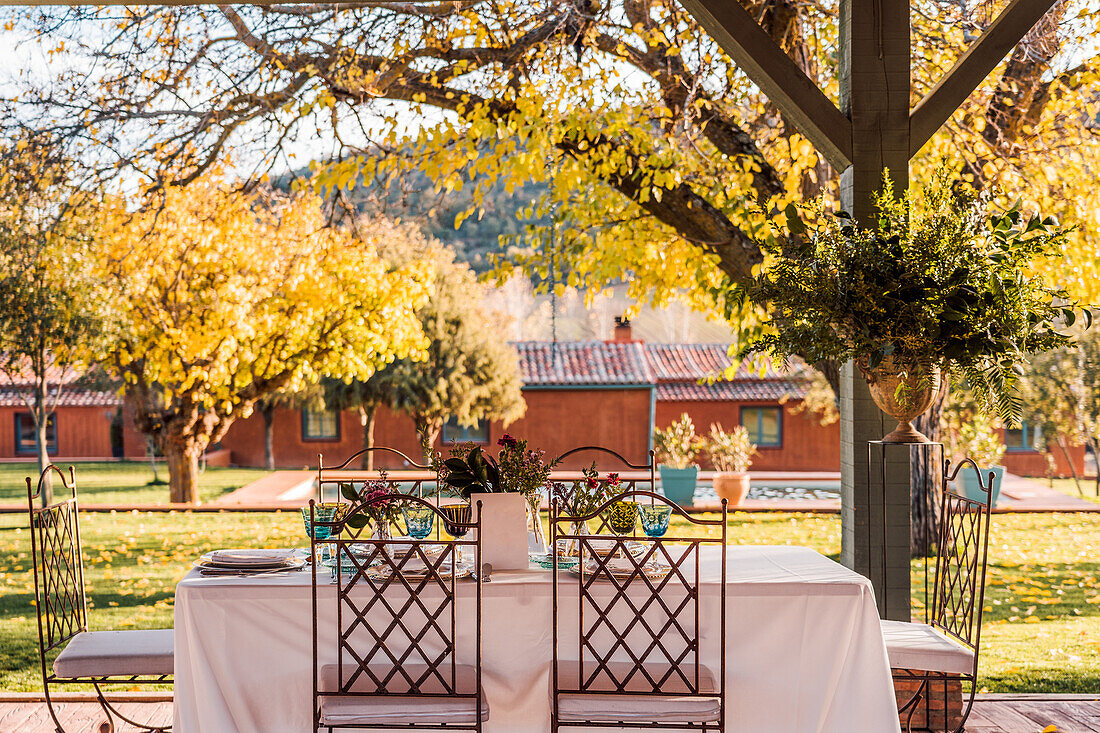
[
  {"x": 321, "y": 513},
  {"x": 418, "y": 520},
  {"x": 654, "y": 518}
]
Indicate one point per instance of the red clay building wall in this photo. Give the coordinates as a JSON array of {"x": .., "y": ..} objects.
[
  {"x": 1034, "y": 463},
  {"x": 558, "y": 420},
  {"x": 245, "y": 440},
  {"x": 82, "y": 432},
  {"x": 807, "y": 445}
]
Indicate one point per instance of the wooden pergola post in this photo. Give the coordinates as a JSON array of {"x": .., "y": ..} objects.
[
  {"x": 872, "y": 131},
  {"x": 874, "y": 95}
]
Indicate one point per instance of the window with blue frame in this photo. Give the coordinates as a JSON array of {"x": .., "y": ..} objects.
[
  {"x": 765, "y": 425},
  {"x": 476, "y": 433},
  {"x": 24, "y": 434},
  {"x": 1023, "y": 438},
  {"x": 320, "y": 425}
]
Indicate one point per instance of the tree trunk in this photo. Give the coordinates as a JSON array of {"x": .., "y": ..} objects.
[
  {"x": 183, "y": 470},
  {"x": 1069, "y": 461},
  {"x": 428, "y": 430},
  {"x": 268, "y": 412},
  {"x": 41, "y": 439},
  {"x": 927, "y": 482},
  {"x": 366, "y": 417},
  {"x": 151, "y": 446},
  {"x": 1095, "y": 445},
  {"x": 41, "y": 444}
]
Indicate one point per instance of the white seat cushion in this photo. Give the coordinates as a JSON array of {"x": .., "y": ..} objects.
[
  {"x": 116, "y": 653},
  {"x": 637, "y": 704},
  {"x": 922, "y": 647},
  {"x": 400, "y": 709}
]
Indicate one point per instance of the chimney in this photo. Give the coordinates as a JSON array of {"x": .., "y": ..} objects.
[{"x": 623, "y": 332}]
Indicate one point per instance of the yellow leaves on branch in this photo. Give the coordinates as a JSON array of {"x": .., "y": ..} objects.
[{"x": 223, "y": 291}]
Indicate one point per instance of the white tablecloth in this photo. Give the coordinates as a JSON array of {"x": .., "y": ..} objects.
[{"x": 804, "y": 648}]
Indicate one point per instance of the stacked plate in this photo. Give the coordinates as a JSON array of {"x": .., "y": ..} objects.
[{"x": 242, "y": 562}]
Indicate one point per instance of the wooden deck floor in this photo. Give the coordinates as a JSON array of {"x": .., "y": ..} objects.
[
  {"x": 1034, "y": 713},
  {"x": 25, "y": 714},
  {"x": 992, "y": 714}
]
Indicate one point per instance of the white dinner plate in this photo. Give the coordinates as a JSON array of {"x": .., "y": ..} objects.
[
  {"x": 249, "y": 559},
  {"x": 290, "y": 563}
]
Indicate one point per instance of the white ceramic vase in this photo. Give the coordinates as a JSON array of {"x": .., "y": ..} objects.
[{"x": 504, "y": 527}]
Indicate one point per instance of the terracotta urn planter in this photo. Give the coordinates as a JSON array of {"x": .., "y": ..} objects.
[
  {"x": 733, "y": 487},
  {"x": 904, "y": 392}
]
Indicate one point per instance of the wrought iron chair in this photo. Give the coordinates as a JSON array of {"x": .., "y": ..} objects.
[
  {"x": 398, "y": 663},
  {"x": 637, "y": 662},
  {"x": 945, "y": 650},
  {"x": 83, "y": 657},
  {"x": 325, "y": 476}
]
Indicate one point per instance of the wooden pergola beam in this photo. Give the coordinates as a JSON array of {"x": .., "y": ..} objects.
[
  {"x": 781, "y": 80},
  {"x": 1014, "y": 22}
]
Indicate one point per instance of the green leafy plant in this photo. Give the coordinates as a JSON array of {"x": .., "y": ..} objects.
[
  {"x": 943, "y": 280},
  {"x": 470, "y": 471},
  {"x": 730, "y": 451},
  {"x": 517, "y": 469},
  {"x": 676, "y": 446}
]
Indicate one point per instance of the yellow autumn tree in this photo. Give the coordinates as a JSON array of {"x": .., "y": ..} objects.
[{"x": 228, "y": 296}]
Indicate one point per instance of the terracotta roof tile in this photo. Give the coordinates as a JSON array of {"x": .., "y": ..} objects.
[
  {"x": 71, "y": 397},
  {"x": 676, "y": 369},
  {"x": 544, "y": 363},
  {"x": 682, "y": 362},
  {"x": 740, "y": 390}
]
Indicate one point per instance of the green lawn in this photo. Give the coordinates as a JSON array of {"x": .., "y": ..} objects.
[
  {"x": 1066, "y": 486},
  {"x": 1042, "y": 630},
  {"x": 123, "y": 482}
]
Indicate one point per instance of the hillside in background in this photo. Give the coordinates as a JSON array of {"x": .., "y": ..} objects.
[
  {"x": 415, "y": 200},
  {"x": 572, "y": 317}
]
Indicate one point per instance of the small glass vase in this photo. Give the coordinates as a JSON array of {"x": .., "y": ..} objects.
[
  {"x": 382, "y": 529},
  {"x": 536, "y": 537},
  {"x": 579, "y": 529}
]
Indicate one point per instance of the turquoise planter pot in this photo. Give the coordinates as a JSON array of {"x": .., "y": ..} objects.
[
  {"x": 679, "y": 484},
  {"x": 968, "y": 481}
]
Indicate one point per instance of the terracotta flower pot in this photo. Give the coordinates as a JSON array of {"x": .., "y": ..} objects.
[
  {"x": 903, "y": 391},
  {"x": 733, "y": 487}
]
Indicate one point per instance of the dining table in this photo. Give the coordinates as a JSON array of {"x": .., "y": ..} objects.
[{"x": 804, "y": 649}]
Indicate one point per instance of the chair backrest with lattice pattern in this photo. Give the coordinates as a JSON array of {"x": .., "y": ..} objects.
[
  {"x": 958, "y": 592},
  {"x": 397, "y": 621},
  {"x": 56, "y": 558},
  {"x": 638, "y": 631}
]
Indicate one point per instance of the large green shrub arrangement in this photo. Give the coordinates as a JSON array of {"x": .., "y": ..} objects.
[{"x": 943, "y": 279}]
